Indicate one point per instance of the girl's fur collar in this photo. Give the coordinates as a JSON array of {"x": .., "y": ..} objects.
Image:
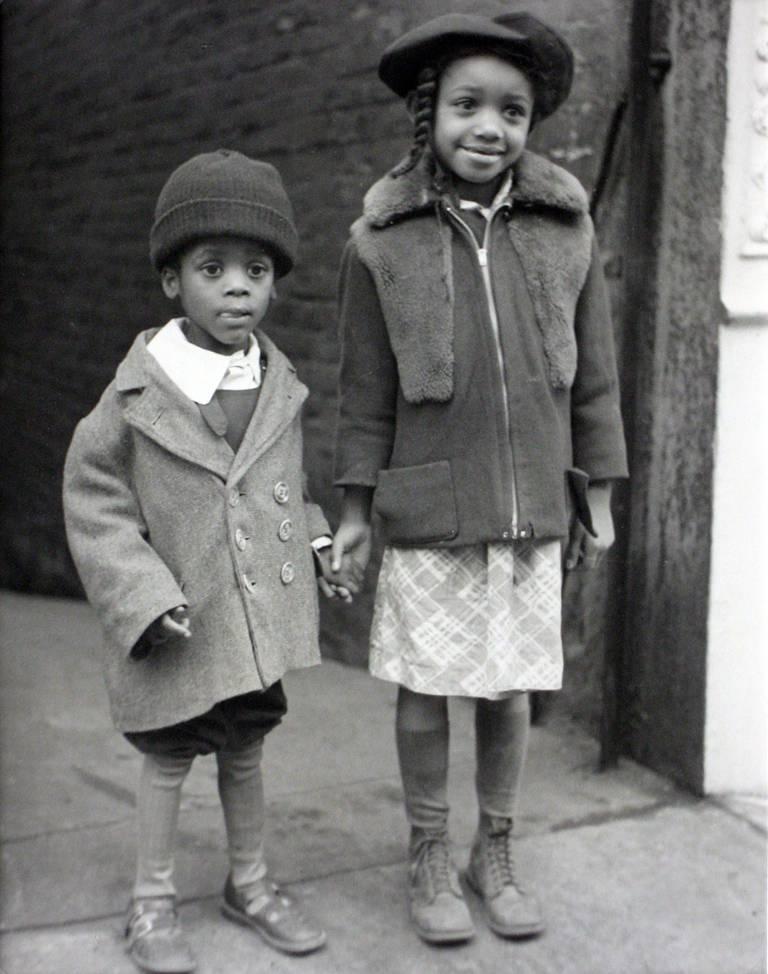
[{"x": 537, "y": 182}]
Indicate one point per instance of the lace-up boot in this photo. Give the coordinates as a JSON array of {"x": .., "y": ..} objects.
[
  {"x": 511, "y": 911},
  {"x": 438, "y": 909}
]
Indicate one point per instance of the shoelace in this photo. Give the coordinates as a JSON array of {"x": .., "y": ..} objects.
[
  {"x": 435, "y": 858},
  {"x": 501, "y": 859}
]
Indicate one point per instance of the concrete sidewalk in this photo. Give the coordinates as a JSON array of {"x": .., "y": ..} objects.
[{"x": 635, "y": 875}]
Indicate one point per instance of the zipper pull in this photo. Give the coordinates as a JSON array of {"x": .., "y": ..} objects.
[{"x": 482, "y": 256}]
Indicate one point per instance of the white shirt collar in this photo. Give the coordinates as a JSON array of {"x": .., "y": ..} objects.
[
  {"x": 498, "y": 201},
  {"x": 198, "y": 372}
]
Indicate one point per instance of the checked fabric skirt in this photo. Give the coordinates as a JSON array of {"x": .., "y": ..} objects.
[{"x": 476, "y": 621}]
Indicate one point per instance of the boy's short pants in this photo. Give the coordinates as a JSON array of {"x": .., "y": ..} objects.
[{"x": 229, "y": 725}]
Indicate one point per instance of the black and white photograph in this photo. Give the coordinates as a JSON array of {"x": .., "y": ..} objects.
[{"x": 384, "y": 492}]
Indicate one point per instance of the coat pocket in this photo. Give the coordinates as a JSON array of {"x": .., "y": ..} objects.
[{"x": 417, "y": 504}]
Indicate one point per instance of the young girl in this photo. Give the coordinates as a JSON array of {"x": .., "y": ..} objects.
[{"x": 479, "y": 409}]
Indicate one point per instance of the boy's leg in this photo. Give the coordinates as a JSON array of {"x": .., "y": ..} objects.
[
  {"x": 154, "y": 938},
  {"x": 242, "y": 800},
  {"x": 158, "y": 813},
  {"x": 249, "y": 897},
  {"x": 438, "y": 909},
  {"x": 501, "y": 728}
]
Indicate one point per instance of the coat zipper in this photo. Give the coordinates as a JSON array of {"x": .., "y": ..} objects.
[{"x": 485, "y": 273}]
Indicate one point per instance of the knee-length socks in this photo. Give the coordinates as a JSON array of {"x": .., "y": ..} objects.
[
  {"x": 501, "y": 743},
  {"x": 159, "y": 798}
]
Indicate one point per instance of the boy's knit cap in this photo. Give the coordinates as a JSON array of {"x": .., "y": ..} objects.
[
  {"x": 224, "y": 193},
  {"x": 522, "y": 35}
]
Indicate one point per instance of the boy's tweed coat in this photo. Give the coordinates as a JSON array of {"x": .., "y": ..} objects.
[
  {"x": 160, "y": 513},
  {"x": 421, "y": 402}
]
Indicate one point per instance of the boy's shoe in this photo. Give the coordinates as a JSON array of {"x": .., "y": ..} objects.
[
  {"x": 438, "y": 908},
  {"x": 510, "y": 910},
  {"x": 274, "y": 915},
  {"x": 155, "y": 942}
]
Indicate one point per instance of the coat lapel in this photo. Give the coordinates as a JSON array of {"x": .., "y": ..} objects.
[
  {"x": 163, "y": 413},
  {"x": 282, "y": 396}
]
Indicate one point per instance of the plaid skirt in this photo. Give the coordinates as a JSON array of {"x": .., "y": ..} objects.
[{"x": 477, "y": 621}]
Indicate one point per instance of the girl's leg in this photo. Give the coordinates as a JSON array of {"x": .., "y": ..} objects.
[
  {"x": 158, "y": 803},
  {"x": 438, "y": 910},
  {"x": 422, "y": 734},
  {"x": 501, "y": 744},
  {"x": 249, "y": 897},
  {"x": 501, "y": 729}
]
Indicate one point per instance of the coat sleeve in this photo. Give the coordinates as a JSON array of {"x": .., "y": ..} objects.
[
  {"x": 317, "y": 525},
  {"x": 368, "y": 380},
  {"x": 126, "y": 581},
  {"x": 596, "y": 424}
]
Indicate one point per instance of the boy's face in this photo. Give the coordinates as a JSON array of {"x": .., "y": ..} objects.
[
  {"x": 482, "y": 118},
  {"x": 224, "y": 285}
]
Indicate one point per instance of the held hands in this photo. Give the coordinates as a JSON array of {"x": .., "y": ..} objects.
[
  {"x": 332, "y": 584},
  {"x": 585, "y": 551}
]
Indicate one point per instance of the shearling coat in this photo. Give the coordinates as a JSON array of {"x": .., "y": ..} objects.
[
  {"x": 460, "y": 447},
  {"x": 160, "y": 512}
]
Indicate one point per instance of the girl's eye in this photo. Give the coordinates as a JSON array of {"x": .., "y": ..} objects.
[
  {"x": 466, "y": 104},
  {"x": 257, "y": 270},
  {"x": 515, "y": 111}
]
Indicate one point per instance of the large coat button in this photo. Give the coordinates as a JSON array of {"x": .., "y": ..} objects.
[
  {"x": 280, "y": 492},
  {"x": 234, "y": 497},
  {"x": 287, "y": 573},
  {"x": 285, "y": 530},
  {"x": 248, "y": 584},
  {"x": 240, "y": 540}
]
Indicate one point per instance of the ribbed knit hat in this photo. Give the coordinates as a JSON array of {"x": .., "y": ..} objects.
[{"x": 224, "y": 193}]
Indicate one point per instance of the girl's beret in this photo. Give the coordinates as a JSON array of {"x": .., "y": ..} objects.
[{"x": 526, "y": 39}]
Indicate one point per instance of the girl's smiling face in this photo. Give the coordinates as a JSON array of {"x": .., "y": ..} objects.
[
  {"x": 225, "y": 286},
  {"x": 482, "y": 119}
]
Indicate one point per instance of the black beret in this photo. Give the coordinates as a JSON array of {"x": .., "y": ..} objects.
[{"x": 523, "y": 36}]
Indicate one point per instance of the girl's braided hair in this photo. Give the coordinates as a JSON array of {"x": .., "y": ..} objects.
[{"x": 423, "y": 98}]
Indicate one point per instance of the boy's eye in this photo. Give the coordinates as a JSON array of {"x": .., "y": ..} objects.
[{"x": 211, "y": 269}]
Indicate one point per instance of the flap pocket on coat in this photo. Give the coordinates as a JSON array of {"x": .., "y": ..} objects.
[
  {"x": 578, "y": 481},
  {"x": 417, "y": 504}
]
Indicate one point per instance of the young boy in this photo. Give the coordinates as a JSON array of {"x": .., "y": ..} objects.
[{"x": 188, "y": 524}]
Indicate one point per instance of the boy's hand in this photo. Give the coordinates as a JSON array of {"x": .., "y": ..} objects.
[
  {"x": 173, "y": 623},
  {"x": 331, "y": 584},
  {"x": 585, "y": 551}
]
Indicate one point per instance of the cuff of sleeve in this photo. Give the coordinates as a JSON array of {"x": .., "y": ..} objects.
[{"x": 325, "y": 541}]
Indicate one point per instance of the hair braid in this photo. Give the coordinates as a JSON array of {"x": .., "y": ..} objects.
[{"x": 423, "y": 114}]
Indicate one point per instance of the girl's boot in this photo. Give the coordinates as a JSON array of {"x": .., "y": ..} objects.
[
  {"x": 511, "y": 910},
  {"x": 501, "y": 729},
  {"x": 437, "y": 906}
]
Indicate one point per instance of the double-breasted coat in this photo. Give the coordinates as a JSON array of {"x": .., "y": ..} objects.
[{"x": 160, "y": 512}]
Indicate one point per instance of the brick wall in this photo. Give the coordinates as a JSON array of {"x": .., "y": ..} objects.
[{"x": 101, "y": 99}]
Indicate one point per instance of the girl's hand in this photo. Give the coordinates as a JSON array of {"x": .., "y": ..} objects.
[
  {"x": 330, "y": 584},
  {"x": 585, "y": 551},
  {"x": 350, "y": 553},
  {"x": 173, "y": 623}
]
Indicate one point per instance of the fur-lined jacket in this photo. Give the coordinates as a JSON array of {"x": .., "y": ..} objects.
[{"x": 478, "y": 378}]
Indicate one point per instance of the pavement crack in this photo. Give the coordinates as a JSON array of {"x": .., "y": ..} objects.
[
  {"x": 107, "y": 787},
  {"x": 623, "y": 815}
]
